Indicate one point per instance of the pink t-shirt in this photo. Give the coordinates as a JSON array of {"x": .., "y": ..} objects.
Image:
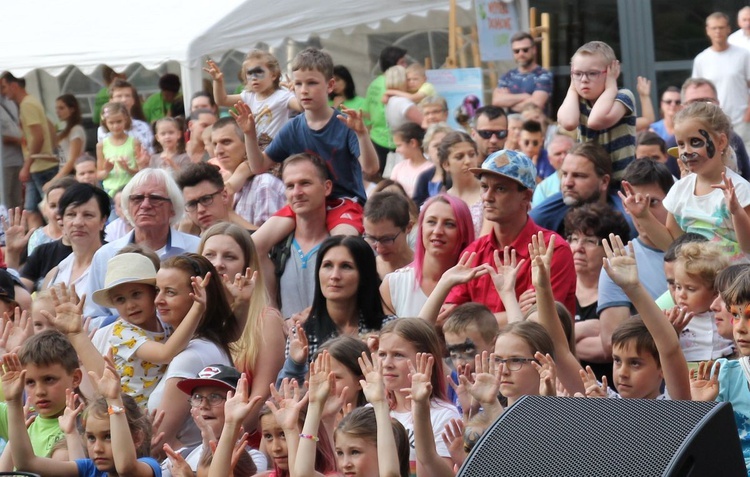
[{"x": 406, "y": 174}]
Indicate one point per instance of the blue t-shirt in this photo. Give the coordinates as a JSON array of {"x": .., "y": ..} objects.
[
  {"x": 87, "y": 468},
  {"x": 733, "y": 389},
  {"x": 550, "y": 214},
  {"x": 335, "y": 144}
]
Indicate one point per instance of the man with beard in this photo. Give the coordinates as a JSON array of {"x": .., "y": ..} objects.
[
  {"x": 527, "y": 84},
  {"x": 489, "y": 130},
  {"x": 584, "y": 177}
]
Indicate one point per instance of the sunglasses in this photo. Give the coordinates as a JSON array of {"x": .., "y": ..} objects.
[
  {"x": 671, "y": 101},
  {"x": 488, "y": 133},
  {"x": 521, "y": 50}
]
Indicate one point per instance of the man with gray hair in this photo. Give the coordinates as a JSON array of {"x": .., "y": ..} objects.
[
  {"x": 742, "y": 36},
  {"x": 585, "y": 176},
  {"x": 153, "y": 203}
]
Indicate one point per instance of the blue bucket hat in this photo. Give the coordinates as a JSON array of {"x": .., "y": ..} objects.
[{"x": 511, "y": 164}]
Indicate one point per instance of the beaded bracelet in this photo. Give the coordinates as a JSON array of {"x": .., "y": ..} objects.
[{"x": 310, "y": 436}]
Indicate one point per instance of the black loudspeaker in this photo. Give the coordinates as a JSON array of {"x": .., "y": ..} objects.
[{"x": 570, "y": 437}]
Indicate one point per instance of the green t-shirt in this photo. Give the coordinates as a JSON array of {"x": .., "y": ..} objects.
[
  {"x": 43, "y": 432},
  {"x": 379, "y": 131},
  {"x": 155, "y": 107},
  {"x": 102, "y": 97},
  {"x": 357, "y": 103}
]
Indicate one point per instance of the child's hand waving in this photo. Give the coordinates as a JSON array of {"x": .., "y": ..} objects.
[
  {"x": 73, "y": 408},
  {"x": 68, "y": 317},
  {"x": 730, "y": 197},
  {"x": 619, "y": 264},
  {"x": 372, "y": 385},
  {"x": 540, "y": 255},
  {"x": 213, "y": 70},
  {"x": 12, "y": 378},
  {"x": 199, "y": 289},
  {"x": 239, "y": 405},
  {"x": 505, "y": 272},
  {"x": 353, "y": 120},
  {"x": 286, "y": 404},
  {"x": 704, "y": 385},
  {"x": 421, "y": 384},
  {"x": 547, "y": 370},
  {"x": 244, "y": 117},
  {"x": 108, "y": 384}
]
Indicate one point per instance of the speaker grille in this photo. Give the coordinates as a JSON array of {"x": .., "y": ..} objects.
[{"x": 555, "y": 436}]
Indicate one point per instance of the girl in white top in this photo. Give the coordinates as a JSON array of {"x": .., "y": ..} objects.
[
  {"x": 408, "y": 138},
  {"x": 268, "y": 101},
  {"x": 72, "y": 138},
  {"x": 713, "y": 200}
]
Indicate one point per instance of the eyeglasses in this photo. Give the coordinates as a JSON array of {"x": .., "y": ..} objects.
[
  {"x": 213, "y": 399},
  {"x": 590, "y": 75},
  {"x": 257, "y": 73},
  {"x": 519, "y": 50},
  {"x": 672, "y": 101},
  {"x": 514, "y": 364},
  {"x": 384, "y": 240},
  {"x": 488, "y": 133},
  {"x": 586, "y": 242},
  {"x": 155, "y": 200},
  {"x": 204, "y": 200},
  {"x": 530, "y": 142}
]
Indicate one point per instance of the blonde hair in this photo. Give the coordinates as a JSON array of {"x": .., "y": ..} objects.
[
  {"x": 268, "y": 60},
  {"x": 596, "y": 48},
  {"x": 246, "y": 349},
  {"x": 395, "y": 78},
  {"x": 112, "y": 108},
  {"x": 417, "y": 68},
  {"x": 702, "y": 261},
  {"x": 709, "y": 115}
]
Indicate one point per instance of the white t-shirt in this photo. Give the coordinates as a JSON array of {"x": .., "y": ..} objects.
[
  {"x": 406, "y": 299},
  {"x": 700, "y": 340},
  {"x": 739, "y": 38},
  {"x": 441, "y": 412},
  {"x": 395, "y": 111},
  {"x": 77, "y": 132},
  {"x": 729, "y": 70},
  {"x": 708, "y": 214},
  {"x": 270, "y": 113},
  {"x": 198, "y": 354}
]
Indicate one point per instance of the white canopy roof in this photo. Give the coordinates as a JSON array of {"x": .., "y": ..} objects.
[{"x": 52, "y": 35}]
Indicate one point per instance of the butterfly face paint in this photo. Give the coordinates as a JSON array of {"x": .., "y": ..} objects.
[
  {"x": 258, "y": 73},
  {"x": 710, "y": 147}
]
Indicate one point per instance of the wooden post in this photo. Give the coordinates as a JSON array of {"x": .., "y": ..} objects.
[
  {"x": 532, "y": 21},
  {"x": 450, "y": 62},
  {"x": 428, "y": 63},
  {"x": 546, "y": 54},
  {"x": 460, "y": 43},
  {"x": 475, "y": 46}
]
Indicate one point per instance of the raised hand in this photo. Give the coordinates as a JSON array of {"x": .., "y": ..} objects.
[
  {"x": 353, "y": 120},
  {"x": 287, "y": 83},
  {"x": 591, "y": 386},
  {"x": 17, "y": 232},
  {"x": 636, "y": 204},
  {"x": 372, "y": 385},
  {"x": 12, "y": 377},
  {"x": 462, "y": 392},
  {"x": 239, "y": 405},
  {"x": 286, "y": 404},
  {"x": 108, "y": 384},
  {"x": 643, "y": 86},
  {"x": 199, "y": 289},
  {"x": 157, "y": 436},
  {"x": 540, "y": 255},
  {"x": 18, "y": 330},
  {"x": 463, "y": 272},
  {"x": 453, "y": 436},
  {"x": 619, "y": 264},
  {"x": 73, "y": 408},
  {"x": 730, "y": 197},
  {"x": 244, "y": 117},
  {"x": 527, "y": 300},
  {"x": 486, "y": 383},
  {"x": 704, "y": 385},
  {"x": 421, "y": 375},
  {"x": 177, "y": 464},
  {"x": 241, "y": 289},
  {"x": 68, "y": 317},
  {"x": 143, "y": 158},
  {"x": 207, "y": 434},
  {"x": 505, "y": 272},
  {"x": 547, "y": 370},
  {"x": 298, "y": 345},
  {"x": 213, "y": 70},
  {"x": 679, "y": 317},
  {"x": 321, "y": 379}
]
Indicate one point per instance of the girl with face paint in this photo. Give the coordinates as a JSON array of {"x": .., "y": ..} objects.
[{"x": 712, "y": 199}]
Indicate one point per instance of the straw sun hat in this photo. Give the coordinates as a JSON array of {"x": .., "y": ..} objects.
[{"x": 125, "y": 268}]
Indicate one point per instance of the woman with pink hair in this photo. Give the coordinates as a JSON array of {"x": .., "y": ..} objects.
[{"x": 445, "y": 229}]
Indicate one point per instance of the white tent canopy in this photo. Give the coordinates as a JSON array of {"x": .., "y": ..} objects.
[{"x": 52, "y": 35}]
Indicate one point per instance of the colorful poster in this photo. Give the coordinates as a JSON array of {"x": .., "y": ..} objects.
[
  {"x": 462, "y": 88},
  {"x": 497, "y": 21}
]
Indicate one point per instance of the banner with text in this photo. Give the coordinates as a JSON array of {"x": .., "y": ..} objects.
[{"x": 497, "y": 20}]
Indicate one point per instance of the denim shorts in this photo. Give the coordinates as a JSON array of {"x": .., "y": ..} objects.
[{"x": 34, "y": 193}]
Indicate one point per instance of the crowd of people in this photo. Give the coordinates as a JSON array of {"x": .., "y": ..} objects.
[{"x": 318, "y": 282}]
